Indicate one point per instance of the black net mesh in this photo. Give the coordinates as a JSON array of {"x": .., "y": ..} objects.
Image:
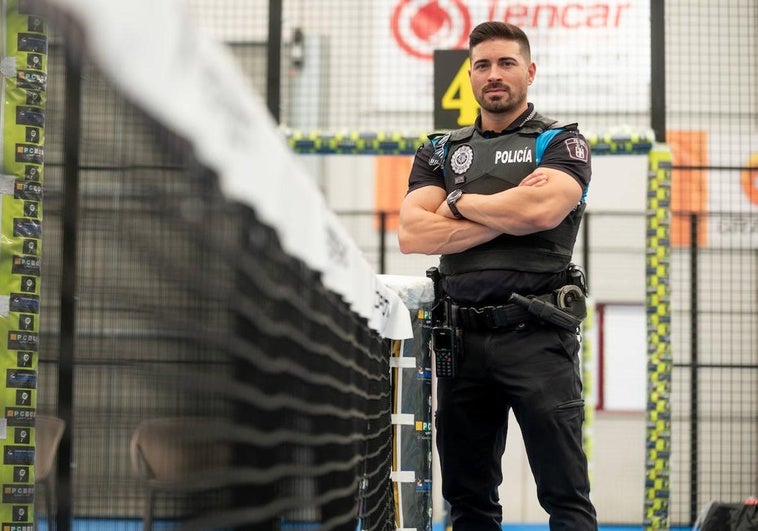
[{"x": 187, "y": 307}]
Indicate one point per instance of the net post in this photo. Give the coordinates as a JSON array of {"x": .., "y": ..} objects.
[
  {"x": 659, "y": 361},
  {"x": 588, "y": 333}
]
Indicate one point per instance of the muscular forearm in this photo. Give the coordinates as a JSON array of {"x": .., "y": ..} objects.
[
  {"x": 431, "y": 233},
  {"x": 509, "y": 213},
  {"x": 525, "y": 209}
]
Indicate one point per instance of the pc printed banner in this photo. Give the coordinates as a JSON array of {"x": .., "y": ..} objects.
[{"x": 23, "y": 65}]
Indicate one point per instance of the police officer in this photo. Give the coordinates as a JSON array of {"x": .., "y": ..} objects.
[{"x": 501, "y": 202}]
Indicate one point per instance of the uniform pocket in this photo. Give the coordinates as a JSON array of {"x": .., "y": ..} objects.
[{"x": 579, "y": 402}]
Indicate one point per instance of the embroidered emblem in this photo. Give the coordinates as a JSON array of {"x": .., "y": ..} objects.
[
  {"x": 440, "y": 150},
  {"x": 577, "y": 149},
  {"x": 461, "y": 159}
]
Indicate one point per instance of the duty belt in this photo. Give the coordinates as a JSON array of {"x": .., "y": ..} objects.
[{"x": 494, "y": 316}]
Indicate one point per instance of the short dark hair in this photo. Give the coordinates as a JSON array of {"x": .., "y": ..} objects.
[{"x": 500, "y": 30}]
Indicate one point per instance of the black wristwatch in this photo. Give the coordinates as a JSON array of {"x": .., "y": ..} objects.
[{"x": 452, "y": 199}]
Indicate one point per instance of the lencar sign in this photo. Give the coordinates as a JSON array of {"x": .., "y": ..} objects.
[
  {"x": 572, "y": 41},
  {"x": 421, "y": 26},
  {"x": 559, "y": 15}
]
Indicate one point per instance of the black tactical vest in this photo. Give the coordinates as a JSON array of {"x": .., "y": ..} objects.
[{"x": 486, "y": 166}]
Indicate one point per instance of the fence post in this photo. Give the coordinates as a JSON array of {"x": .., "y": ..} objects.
[
  {"x": 382, "y": 242},
  {"x": 694, "y": 383}
]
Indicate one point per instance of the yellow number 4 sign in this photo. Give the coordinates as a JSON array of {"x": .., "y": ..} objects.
[{"x": 454, "y": 102}]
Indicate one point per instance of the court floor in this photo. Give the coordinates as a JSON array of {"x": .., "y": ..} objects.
[
  {"x": 544, "y": 527},
  {"x": 136, "y": 525}
]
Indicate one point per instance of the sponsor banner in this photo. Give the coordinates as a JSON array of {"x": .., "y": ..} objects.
[
  {"x": 689, "y": 187},
  {"x": 715, "y": 178},
  {"x": 733, "y": 192},
  {"x": 570, "y": 40},
  {"x": 24, "y": 46}
]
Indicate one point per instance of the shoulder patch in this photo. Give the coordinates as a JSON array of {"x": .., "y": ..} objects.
[
  {"x": 439, "y": 143},
  {"x": 577, "y": 149}
]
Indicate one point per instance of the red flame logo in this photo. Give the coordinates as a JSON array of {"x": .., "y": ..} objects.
[
  {"x": 430, "y": 20},
  {"x": 420, "y": 28}
]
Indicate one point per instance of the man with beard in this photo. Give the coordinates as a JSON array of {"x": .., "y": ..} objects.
[{"x": 501, "y": 202}]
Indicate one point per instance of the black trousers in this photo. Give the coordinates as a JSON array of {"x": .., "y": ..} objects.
[{"x": 533, "y": 371}]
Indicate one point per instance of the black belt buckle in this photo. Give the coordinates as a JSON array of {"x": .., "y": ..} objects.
[
  {"x": 499, "y": 317},
  {"x": 483, "y": 316},
  {"x": 489, "y": 317}
]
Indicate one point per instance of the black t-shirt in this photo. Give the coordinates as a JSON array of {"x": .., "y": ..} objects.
[{"x": 495, "y": 286}]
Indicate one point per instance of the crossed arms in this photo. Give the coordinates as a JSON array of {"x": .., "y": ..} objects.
[{"x": 540, "y": 202}]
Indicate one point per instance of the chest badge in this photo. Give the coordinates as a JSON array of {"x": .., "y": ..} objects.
[{"x": 461, "y": 159}]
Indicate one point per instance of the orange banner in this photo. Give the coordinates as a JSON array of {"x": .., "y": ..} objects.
[
  {"x": 749, "y": 179},
  {"x": 391, "y": 183},
  {"x": 689, "y": 187}
]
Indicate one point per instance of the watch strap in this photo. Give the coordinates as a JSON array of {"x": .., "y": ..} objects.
[{"x": 452, "y": 199}]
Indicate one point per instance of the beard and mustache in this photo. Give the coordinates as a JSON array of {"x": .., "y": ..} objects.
[{"x": 503, "y": 102}]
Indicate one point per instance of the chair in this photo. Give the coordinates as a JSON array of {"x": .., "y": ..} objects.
[
  {"x": 175, "y": 454},
  {"x": 48, "y": 434}
]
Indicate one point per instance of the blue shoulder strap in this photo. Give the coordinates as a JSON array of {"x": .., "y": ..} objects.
[{"x": 543, "y": 140}]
